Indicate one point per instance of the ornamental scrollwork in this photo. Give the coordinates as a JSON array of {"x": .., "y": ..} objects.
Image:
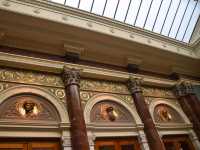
[
  {"x": 59, "y": 93},
  {"x": 157, "y": 92},
  {"x": 103, "y": 86},
  {"x": 30, "y": 77}
]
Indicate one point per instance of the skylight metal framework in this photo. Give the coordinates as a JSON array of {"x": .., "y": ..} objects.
[{"x": 171, "y": 18}]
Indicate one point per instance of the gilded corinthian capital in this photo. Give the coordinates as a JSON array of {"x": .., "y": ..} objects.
[
  {"x": 134, "y": 85},
  {"x": 183, "y": 88},
  {"x": 71, "y": 76}
]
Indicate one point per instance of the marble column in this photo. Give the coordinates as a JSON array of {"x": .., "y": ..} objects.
[
  {"x": 184, "y": 93},
  {"x": 150, "y": 130},
  {"x": 79, "y": 138}
]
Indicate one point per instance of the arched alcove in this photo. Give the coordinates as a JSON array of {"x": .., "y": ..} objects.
[
  {"x": 170, "y": 107},
  {"x": 163, "y": 113},
  {"x": 42, "y": 94},
  {"x": 28, "y": 108},
  {"x": 112, "y": 100},
  {"x": 110, "y": 112}
]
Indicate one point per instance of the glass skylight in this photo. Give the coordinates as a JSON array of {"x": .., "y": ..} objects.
[{"x": 172, "y": 18}]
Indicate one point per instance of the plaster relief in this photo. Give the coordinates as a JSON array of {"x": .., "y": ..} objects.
[
  {"x": 28, "y": 107},
  {"x": 165, "y": 114},
  {"x": 108, "y": 111}
]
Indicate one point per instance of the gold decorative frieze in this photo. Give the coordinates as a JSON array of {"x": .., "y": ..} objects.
[
  {"x": 103, "y": 86},
  {"x": 157, "y": 92},
  {"x": 30, "y": 77}
]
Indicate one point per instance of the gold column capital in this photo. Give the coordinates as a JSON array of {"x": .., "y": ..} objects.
[
  {"x": 183, "y": 88},
  {"x": 71, "y": 76},
  {"x": 134, "y": 84}
]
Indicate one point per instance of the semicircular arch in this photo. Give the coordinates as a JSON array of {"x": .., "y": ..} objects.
[
  {"x": 102, "y": 97},
  {"x": 169, "y": 104},
  {"x": 24, "y": 89}
]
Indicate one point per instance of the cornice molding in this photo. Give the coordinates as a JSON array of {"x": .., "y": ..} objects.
[
  {"x": 38, "y": 64},
  {"x": 65, "y": 15}
]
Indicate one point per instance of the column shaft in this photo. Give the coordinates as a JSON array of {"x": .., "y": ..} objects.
[
  {"x": 151, "y": 132},
  {"x": 78, "y": 130},
  {"x": 194, "y": 103},
  {"x": 188, "y": 110},
  {"x": 189, "y": 103}
]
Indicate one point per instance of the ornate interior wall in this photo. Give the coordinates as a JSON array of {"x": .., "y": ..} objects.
[{"x": 96, "y": 97}]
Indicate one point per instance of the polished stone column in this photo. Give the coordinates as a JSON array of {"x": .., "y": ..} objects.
[
  {"x": 185, "y": 95},
  {"x": 79, "y": 138},
  {"x": 151, "y": 132}
]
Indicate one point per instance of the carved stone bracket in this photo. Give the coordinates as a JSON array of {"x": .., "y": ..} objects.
[
  {"x": 183, "y": 88},
  {"x": 71, "y": 76},
  {"x": 134, "y": 85}
]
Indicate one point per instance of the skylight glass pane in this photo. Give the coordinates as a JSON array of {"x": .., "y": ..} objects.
[
  {"x": 86, "y": 5},
  {"x": 133, "y": 11},
  {"x": 152, "y": 14},
  {"x": 178, "y": 18},
  {"x": 170, "y": 17},
  {"x": 122, "y": 9},
  {"x": 143, "y": 13},
  {"x": 161, "y": 16},
  {"x": 110, "y": 8},
  {"x": 58, "y": 1},
  {"x": 173, "y": 18},
  {"x": 72, "y": 3},
  {"x": 98, "y": 7},
  {"x": 186, "y": 18},
  {"x": 192, "y": 23}
]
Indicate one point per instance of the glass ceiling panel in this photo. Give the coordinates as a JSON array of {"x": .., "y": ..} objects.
[{"x": 171, "y": 18}]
